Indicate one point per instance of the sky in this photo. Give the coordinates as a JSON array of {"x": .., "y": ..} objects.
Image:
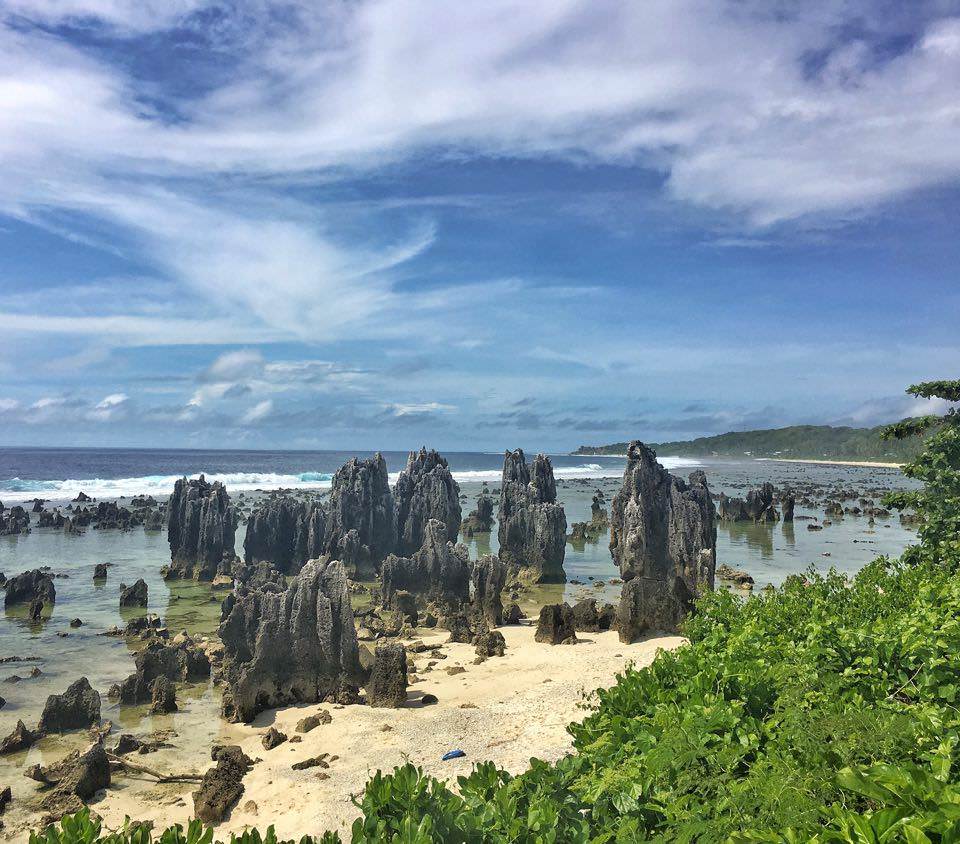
[{"x": 386, "y": 223}]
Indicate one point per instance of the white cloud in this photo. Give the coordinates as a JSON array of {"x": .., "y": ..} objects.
[
  {"x": 109, "y": 408},
  {"x": 258, "y": 412}
]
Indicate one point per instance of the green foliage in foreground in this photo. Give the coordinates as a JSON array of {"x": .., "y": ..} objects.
[
  {"x": 799, "y": 442},
  {"x": 826, "y": 711}
]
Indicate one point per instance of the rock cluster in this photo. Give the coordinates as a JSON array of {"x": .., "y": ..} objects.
[
  {"x": 533, "y": 527},
  {"x": 285, "y": 532},
  {"x": 201, "y": 524},
  {"x": 28, "y": 587},
  {"x": 297, "y": 645},
  {"x": 14, "y": 521},
  {"x": 663, "y": 538},
  {"x": 758, "y": 506},
  {"x": 424, "y": 490},
  {"x": 178, "y": 660},
  {"x": 361, "y": 524}
]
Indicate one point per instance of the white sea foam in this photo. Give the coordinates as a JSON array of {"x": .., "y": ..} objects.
[{"x": 160, "y": 486}]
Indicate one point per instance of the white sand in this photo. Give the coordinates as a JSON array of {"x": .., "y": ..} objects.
[
  {"x": 524, "y": 702},
  {"x": 868, "y": 463}
]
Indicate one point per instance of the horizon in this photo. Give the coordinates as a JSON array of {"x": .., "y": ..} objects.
[{"x": 564, "y": 223}]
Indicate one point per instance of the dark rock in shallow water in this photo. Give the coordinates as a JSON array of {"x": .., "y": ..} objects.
[
  {"x": 532, "y": 525},
  {"x": 201, "y": 526},
  {"x": 134, "y": 596},
  {"x": 181, "y": 661},
  {"x": 26, "y": 587},
  {"x": 286, "y": 532},
  {"x": 788, "y": 504},
  {"x": 77, "y": 708},
  {"x": 100, "y": 571},
  {"x": 14, "y": 521},
  {"x": 222, "y": 785},
  {"x": 387, "y": 686},
  {"x": 758, "y": 506},
  {"x": 361, "y": 502},
  {"x": 163, "y": 696},
  {"x": 663, "y": 532},
  {"x": 556, "y": 625},
  {"x": 20, "y": 739},
  {"x": 489, "y": 577},
  {"x": 424, "y": 490},
  {"x": 294, "y": 646},
  {"x": 36, "y": 609},
  {"x": 481, "y": 519}
]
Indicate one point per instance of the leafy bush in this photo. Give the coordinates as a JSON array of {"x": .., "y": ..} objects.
[{"x": 826, "y": 711}]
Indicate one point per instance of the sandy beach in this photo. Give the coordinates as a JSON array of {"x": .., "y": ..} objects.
[
  {"x": 506, "y": 709},
  {"x": 870, "y": 464}
]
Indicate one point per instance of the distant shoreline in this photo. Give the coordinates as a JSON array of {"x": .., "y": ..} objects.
[{"x": 870, "y": 464}]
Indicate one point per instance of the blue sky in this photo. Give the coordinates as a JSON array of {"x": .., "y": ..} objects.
[{"x": 380, "y": 224}]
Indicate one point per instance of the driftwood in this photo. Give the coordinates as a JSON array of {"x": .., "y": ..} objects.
[{"x": 143, "y": 769}]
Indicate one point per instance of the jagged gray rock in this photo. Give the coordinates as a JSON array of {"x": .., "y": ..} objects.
[
  {"x": 201, "y": 527},
  {"x": 533, "y": 527},
  {"x": 438, "y": 573},
  {"x": 181, "y": 660},
  {"x": 133, "y": 596},
  {"x": 787, "y": 503},
  {"x": 663, "y": 535},
  {"x": 361, "y": 525},
  {"x": 388, "y": 679},
  {"x": 479, "y": 520},
  {"x": 489, "y": 576},
  {"x": 556, "y": 625},
  {"x": 297, "y": 645},
  {"x": 27, "y": 587},
  {"x": 425, "y": 490},
  {"x": 285, "y": 532},
  {"x": 78, "y": 707}
]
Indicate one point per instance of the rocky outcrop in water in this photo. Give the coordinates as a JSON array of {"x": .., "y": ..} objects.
[
  {"x": 180, "y": 660},
  {"x": 481, "y": 519},
  {"x": 296, "y": 645},
  {"x": 361, "y": 525},
  {"x": 387, "y": 686},
  {"x": 489, "y": 576},
  {"x": 758, "y": 506},
  {"x": 30, "y": 586},
  {"x": 425, "y": 490},
  {"x": 134, "y": 596},
  {"x": 285, "y": 532},
  {"x": 14, "y": 521},
  {"x": 439, "y": 573},
  {"x": 663, "y": 535},
  {"x": 787, "y": 504},
  {"x": 78, "y": 707},
  {"x": 533, "y": 527},
  {"x": 201, "y": 526},
  {"x": 20, "y": 739}
]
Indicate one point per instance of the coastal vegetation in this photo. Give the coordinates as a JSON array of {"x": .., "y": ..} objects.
[
  {"x": 797, "y": 442},
  {"x": 824, "y": 711}
]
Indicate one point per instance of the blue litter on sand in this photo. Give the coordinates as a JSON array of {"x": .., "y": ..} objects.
[{"x": 453, "y": 754}]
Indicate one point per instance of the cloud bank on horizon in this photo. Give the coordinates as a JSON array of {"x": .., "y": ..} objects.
[{"x": 324, "y": 224}]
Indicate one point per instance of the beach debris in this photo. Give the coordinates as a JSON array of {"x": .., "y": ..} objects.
[
  {"x": 556, "y": 625},
  {"x": 76, "y": 708},
  {"x": 532, "y": 526},
  {"x": 452, "y": 754},
  {"x": 387, "y": 686}
]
